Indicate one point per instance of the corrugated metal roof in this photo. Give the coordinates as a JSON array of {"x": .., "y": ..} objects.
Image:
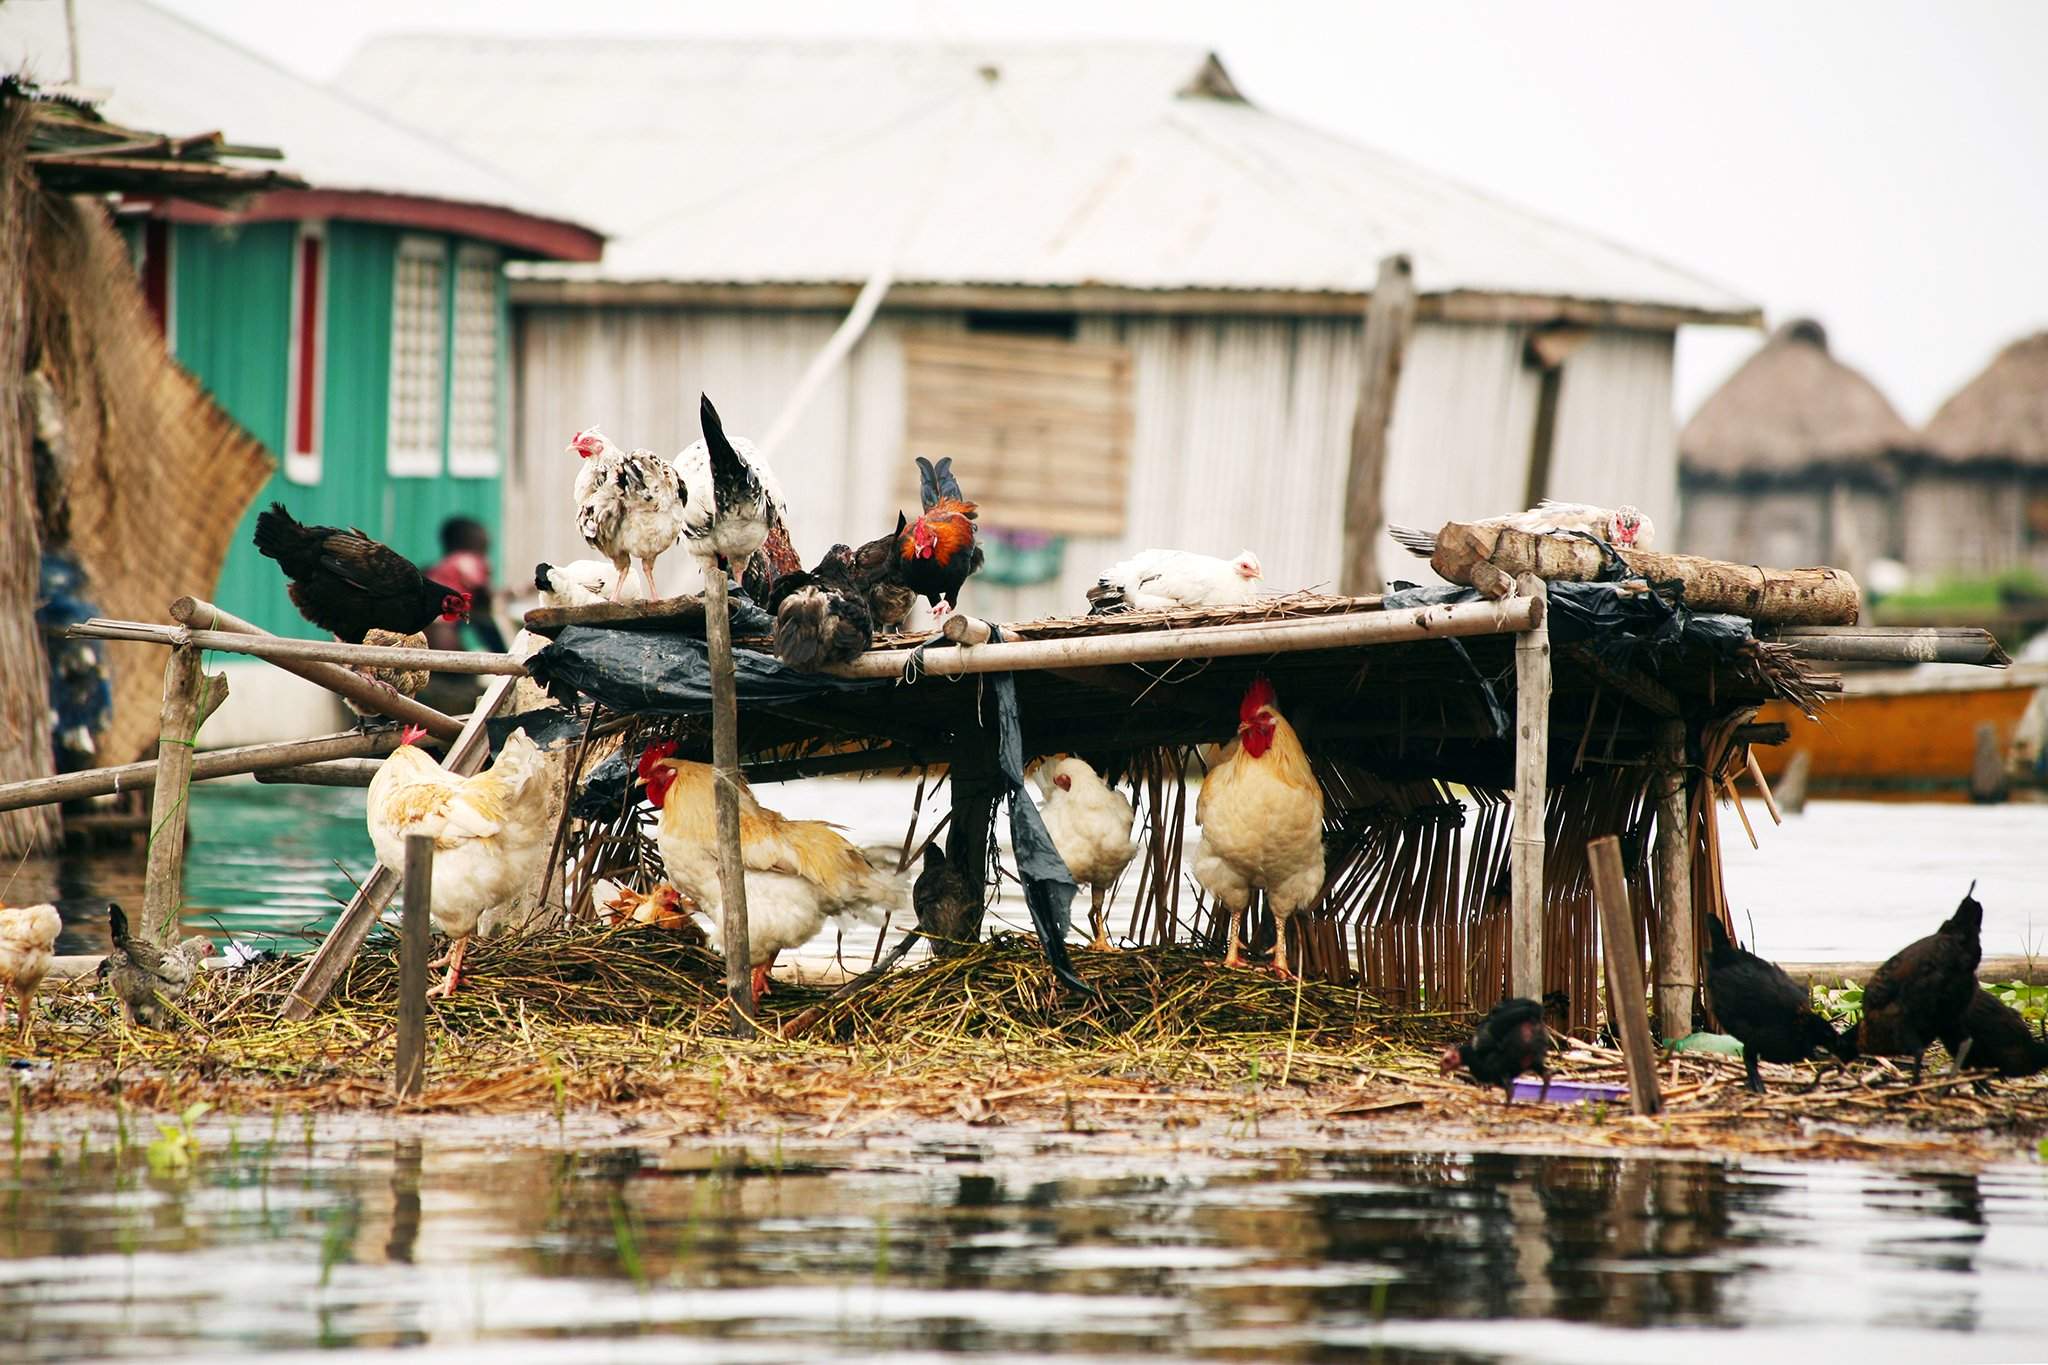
[
  {"x": 1131, "y": 166},
  {"x": 160, "y": 71}
]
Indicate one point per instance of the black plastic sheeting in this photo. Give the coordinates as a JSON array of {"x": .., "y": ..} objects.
[{"x": 1621, "y": 628}]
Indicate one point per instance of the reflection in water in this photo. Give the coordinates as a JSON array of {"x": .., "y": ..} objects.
[{"x": 1033, "y": 1250}]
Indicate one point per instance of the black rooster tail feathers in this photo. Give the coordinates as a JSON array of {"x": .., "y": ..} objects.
[
  {"x": 1717, "y": 937},
  {"x": 277, "y": 532},
  {"x": 902, "y": 523},
  {"x": 117, "y": 923},
  {"x": 725, "y": 461},
  {"x": 1421, "y": 544},
  {"x": 949, "y": 487},
  {"x": 927, "y": 483},
  {"x": 1969, "y": 915}
]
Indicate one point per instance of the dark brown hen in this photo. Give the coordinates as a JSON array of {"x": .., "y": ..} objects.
[
  {"x": 1509, "y": 1041},
  {"x": 1922, "y": 992},
  {"x": 1770, "y": 1013},
  {"x": 348, "y": 584},
  {"x": 1998, "y": 1038}
]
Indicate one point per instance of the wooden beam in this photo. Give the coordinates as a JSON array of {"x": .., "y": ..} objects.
[
  {"x": 1646, "y": 692},
  {"x": 1894, "y": 644},
  {"x": 1210, "y": 642},
  {"x": 411, "y": 1061},
  {"x": 253, "y": 758},
  {"x": 1625, "y": 1005},
  {"x": 324, "y": 967},
  {"x": 1389, "y": 319},
  {"x": 1532, "y": 760},
  {"x": 339, "y": 772},
  {"x": 663, "y": 613},
  {"x": 275, "y": 647},
  {"x": 203, "y": 615},
  {"x": 1678, "y": 971},
  {"x": 163, "y": 886},
  {"x": 725, "y": 763}
]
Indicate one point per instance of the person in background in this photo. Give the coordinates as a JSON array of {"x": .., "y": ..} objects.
[{"x": 464, "y": 563}]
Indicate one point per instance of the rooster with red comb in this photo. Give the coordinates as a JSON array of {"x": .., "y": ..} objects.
[{"x": 1261, "y": 813}]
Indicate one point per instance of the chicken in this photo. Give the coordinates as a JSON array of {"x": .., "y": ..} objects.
[
  {"x": 1510, "y": 1040},
  {"x": 406, "y": 682},
  {"x": 147, "y": 979},
  {"x": 1922, "y": 992},
  {"x": 346, "y": 583},
  {"x": 936, "y": 554},
  {"x": 799, "y": 873},
  {"x": 1261, "y": 813},
  {"x": 1770, "y": 1013},
  {"x": 733, "y": 495},
  {"x": 662, "y": 908},
  {"x": 1623, "y": 527},
  {"x": 28, "y": 944},
  {"x": 878, "y": 569},
  {"x": 1998, "y": 1038},
  {"x": 777, "y": 560},
  {"x": 821, "y": 617},
  {"x": 1175, "y": 578},
  {"x": 1090, "y": 825},
  {"x": 491, "y": 832},
  {"x": 629, "y": 507},
  {"x": 584, "y": 583},
  {"x": 948, "y": 907}
]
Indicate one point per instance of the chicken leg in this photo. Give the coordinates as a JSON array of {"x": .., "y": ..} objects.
[
  {"x": 761, "y": 986},
  {"x": 647, "y": 577},
  {"x": 23, "y": 1006},
  {"x": 620, "y": 568},
  {"x": 1234, "y": 958},
  {"x": 453, "y": 962},
  {"x": 1098, "y": 920},
  {"x": 1280, "y": 949}
]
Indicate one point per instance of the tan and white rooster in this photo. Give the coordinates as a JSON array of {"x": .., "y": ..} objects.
[
  {"x": 28, "y": 944},
  {"x": 490, "y": 830},
  {"x": 1261, "y": 813},
  {"x": 1624, "y": 527},
  {"x": 799, "y": 873},
  {"x": 1090, "y": 825},
  {"x": 629, "y": 506}
]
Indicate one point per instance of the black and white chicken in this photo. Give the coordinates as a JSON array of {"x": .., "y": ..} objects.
[
  {"x": 629, "y": 506},
  {"x": 733, "y": 495}
]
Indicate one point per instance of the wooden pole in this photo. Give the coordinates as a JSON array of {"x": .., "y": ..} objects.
[
  {"x": 275, "y": 648},
  {"x": 1532, "y": 762},
  {"x": 1389, "y": 318},
  {"x": 1894, "y": 644},
  {"x": 324, "y": 968},
  {"x": 1624, "y": 973},
  {"x": 163, "y": 887},
  {"x": 412, "y": 965},
  {"x": 253, "y": 758},
  {"x": 1210, "y": 642},
  {"x": 725, "y": 761},
  {"x": 340, "y": 772},
  {"x": 200, "y": 614},
  {"x": 1678, "y": 971}
]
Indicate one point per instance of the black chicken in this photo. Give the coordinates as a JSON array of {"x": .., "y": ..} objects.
[
  {"x": 880, "y": 574},
  {"x": 1998, "y": 1038},
  {"x": 1767, "y": 1010},
  {"x": 948, "y": 910},
  {"x": 821, "y": 617},
  {"x": 1922, "y": 992},
  {"x": 344, "y": 582},
  {"x": 1509, "y": 1041},
  {"x": 146, "y": 978}
]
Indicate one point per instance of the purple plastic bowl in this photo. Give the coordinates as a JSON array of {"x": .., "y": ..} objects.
[{"x": 1570, "y": 1092}]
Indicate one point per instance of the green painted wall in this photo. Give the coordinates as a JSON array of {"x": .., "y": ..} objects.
[{"x": 233, "y": 305}]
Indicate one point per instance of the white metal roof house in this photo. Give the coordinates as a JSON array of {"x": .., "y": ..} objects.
[{"x": 1127, "y": 301}]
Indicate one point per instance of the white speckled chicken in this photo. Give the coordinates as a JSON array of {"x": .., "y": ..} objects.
[
  {"x": 490, "y": 830},
  {"x": 1261, "y": 812},
  {"x": 1624, "y": 527},
  {"x": 799, "y": 873},
  {"x": 733, "y": 495},
  {"x": 1090, "y": 824},
  {"x": 28, "y": 944},
  {"x": 629, "y": 506}
]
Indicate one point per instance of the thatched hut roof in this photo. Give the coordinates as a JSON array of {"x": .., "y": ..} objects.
[
  {"x": 1790, "y": 407},
  {"x": 2002, "y": 414}
]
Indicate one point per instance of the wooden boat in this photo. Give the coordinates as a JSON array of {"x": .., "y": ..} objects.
[{"x": 1905, "y": 730}]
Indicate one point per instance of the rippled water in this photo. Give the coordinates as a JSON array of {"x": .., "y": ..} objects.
[{"x": 1025, "y": 1248}]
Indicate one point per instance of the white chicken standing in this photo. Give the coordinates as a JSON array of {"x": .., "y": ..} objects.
[
  {"x": 490, "y": 832},
  {"x": 629, "y": 506},
  {"x": 1090, "y": 825},
  {"x": 28, "y": 945},
  {"x": 1157, "y": 579},
  {"x": 1624, "y": 527},
  {"x": 733, "y": 495},
  {"x": 1261, "y": 813},
  {"x": 799, "y": 873}
]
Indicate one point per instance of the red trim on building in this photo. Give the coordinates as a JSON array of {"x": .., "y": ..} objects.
[
  {"x": 521, "y": 234},
  {"x": 156, "y": 271},
  {"x": 305, "y": 437}
]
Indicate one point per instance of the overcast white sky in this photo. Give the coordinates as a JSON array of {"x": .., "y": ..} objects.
[{"x": 1879, "y": 164}]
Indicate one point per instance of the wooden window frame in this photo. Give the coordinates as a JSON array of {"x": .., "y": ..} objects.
[
  {"x": 416, "y": 461},
  {"x": 305, "y": 408},
  {"x": 467, "y": 459}
]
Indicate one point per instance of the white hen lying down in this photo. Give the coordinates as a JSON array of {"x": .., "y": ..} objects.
[
  {"x": 799, "y": 873},
  {"x": 1623, "y": 527},
  {"x": 1158, "y": 579},
  {"x": 629, "y": 506}
]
